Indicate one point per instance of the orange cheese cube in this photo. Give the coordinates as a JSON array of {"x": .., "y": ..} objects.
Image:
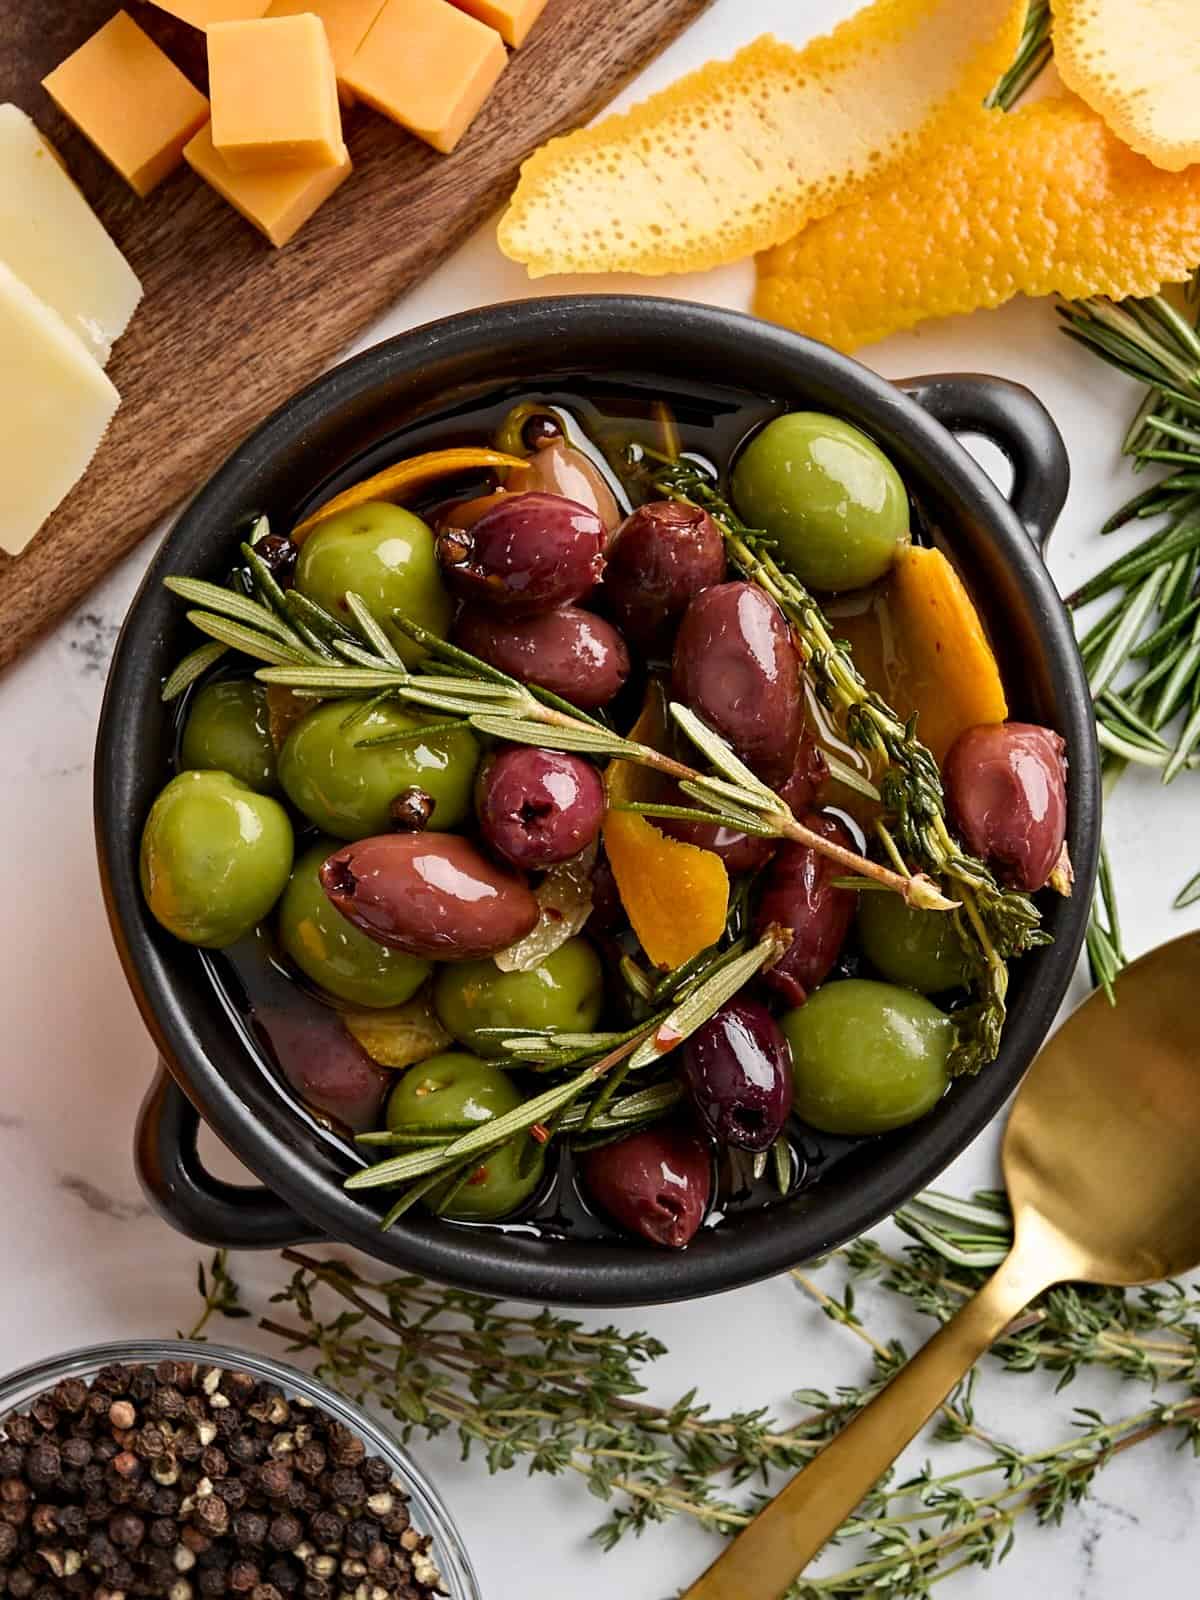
[
  {"x": 130, "y": 100},
  {"x": 512, "y": 19},
  {"x": 277, "y": 203},
  {"x": 429, "y": 67},
  {"x": 346, "y": 24},
  {"x": 274, "y": 95},
  {"x": 202, "y": 13}
]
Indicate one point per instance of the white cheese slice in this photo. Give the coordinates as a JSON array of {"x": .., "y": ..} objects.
[
  {"x": 55, "y": 403},
  {"x": 53, "y": 240}
]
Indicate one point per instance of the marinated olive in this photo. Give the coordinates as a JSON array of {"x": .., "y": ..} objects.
[
  {"x": 227, "y": 730},
  {"x": 429, "y": 894},
  {"x": 332, "y": 952},
  {"x": 918, "y": 949},
  {"x": 741, "y": 852},
  {"x": 738, "y": 1074},
  {"x": 575, "y": 655},
  {"x": 455, "y": 1092},
  {"x": 867, "y": 1057},
  {"x": 529, "y": 553},
  {"x": 329, "y": 1070},
  {"x": 538, "y": 807},
  {"x": 385, "y": 555},
  {"x": 828, "y": 496},
  {"x": 565, "y": 994},
  {"x": 1006, "y": 787},
  {"x": 347, "y": 790},
  {"x": 557, "y": 467},
  {"x": 661, "y": 558},
  {"x": 735, "y": 665},
  {"x": 215, "y": 857},
  {"x": 799, "y": 893},
  {"x": 656, "y": 1183},
  {"x": 809, "y": 776}
]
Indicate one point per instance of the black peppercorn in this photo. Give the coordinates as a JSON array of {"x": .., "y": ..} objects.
[{"x": 181, "y": 1482}]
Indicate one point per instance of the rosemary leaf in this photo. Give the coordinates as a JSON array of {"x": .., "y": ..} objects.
[
  {"x": 1126, "y": 634},
  {"x": 193, "y": 666},
  {"x": 371, "y": 631},
  {"x": 250, "y": 614},
  {"x": 700, "y": 1003},
  {"x": 552, "y": 736},
  {"x": 248, "y": 640}
]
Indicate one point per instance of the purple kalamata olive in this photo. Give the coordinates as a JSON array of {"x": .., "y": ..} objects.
[
  {"x": 741, "y": 852},
  {"x": 738, "y": 1073},
  {"x": 573, "y": 653},
  {"x": 429, "y": 894},
  {"x": 1006, "y": 787},
  {"x": 329, "y": 1070},
  {"x": 528, "y": 553},
  {"x": 809, "y": 776},
  {"x": 656, "y": 1183},
  {"x": 538, "y": 807},
  {"x": 735, "y": 665},
  {"x": 607, "y": 914},
  {"x": 799, "y": 894},
  {"x": 559, "y": 468},
  {"x": 660, "y": 560}
]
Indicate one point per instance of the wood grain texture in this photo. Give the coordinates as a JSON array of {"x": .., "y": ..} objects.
[{"x": 229, "y": 327}]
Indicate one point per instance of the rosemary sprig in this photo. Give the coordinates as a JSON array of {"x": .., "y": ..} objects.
[
  {"x": 1033, "y": 54},
  {"x": 459, "y": 685},
  {"x": 993, "y": 924}
]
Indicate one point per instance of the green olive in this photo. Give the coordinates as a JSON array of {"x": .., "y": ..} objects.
[
  {"x": 866, "y": 1057},
  {"x": 828, "y": 496},
  {"x": 215, "y": 857},
  {"x": 387, "y": 557},
  {"x": 565, "y": 993},
  {"x": 332, "y": 952},
  {"x": 454, "y": 1092},
  {"x": 917, "y": 949},
  {"x": 347, "y": 790},
  {"x": 227, "y": 730}
]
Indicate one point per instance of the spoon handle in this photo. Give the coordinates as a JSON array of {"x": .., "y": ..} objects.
[{"x": 768, "y": 1555}]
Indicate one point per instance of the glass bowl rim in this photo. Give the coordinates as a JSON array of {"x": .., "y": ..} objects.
[{"x": 430, "y": 1513}]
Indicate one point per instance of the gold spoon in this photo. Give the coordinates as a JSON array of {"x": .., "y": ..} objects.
[{"x": 1102, "y": 1162}]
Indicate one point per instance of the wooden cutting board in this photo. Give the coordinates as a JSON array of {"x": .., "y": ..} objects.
[{"x": 230, "y": 327}]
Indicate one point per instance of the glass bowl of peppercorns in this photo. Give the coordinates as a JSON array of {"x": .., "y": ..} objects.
[{"x": 177, "y": 1471}]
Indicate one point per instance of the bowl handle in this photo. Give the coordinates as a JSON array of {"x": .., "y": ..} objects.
[
  {"x": 189, "y": 1197},
  {"x": 1017, "y": 423}
]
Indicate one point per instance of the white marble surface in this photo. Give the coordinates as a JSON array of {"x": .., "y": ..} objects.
[{"x": 83, "y": 1258}]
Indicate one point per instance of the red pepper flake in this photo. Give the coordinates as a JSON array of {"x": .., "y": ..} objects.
[
  {"x": 667, "y": 1038},
  {"x": 540, "y": 1132}
]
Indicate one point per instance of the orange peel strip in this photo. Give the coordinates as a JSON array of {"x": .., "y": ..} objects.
[
  {"x": 1032, "y": 201},
  {"x": 1137, "y": 63},
  {"x": 675, "y": 895},
  {"x": 737, "y": 156},
  {"x": 405, "y": 478}
]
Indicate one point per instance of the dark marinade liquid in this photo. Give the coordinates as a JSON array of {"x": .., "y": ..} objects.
[{"x": 254, "y": 980}]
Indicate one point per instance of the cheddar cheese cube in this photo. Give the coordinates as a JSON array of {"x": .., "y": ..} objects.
[
  {"x": 55, "y": 403},
  {"x": 277, "y": 203},
  {"x": 346, "y": 24},
  {"x": 274, "y": 95},
  {"x": 203, "y": 13},
  {"x": 130, "y": 100},
  {"x": 55, "y": 243},
  {"x": 512, "y": 19},
  {"x": 429, "y": 67}
]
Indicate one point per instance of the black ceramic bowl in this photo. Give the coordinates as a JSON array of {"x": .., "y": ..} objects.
[{"x": 346, "y": 424}]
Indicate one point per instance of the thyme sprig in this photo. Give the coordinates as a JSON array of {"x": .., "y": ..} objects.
[
  {"x": 994, "y": 924},
  {"x": 341, "y": 664},
  {"x": 550, "y": 1395}
]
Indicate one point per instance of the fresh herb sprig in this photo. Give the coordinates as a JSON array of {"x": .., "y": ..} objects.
[
  {"x": 543, "y": 1393},
  {"x": 994, "y": 924},
  {"x": 330, "y": 661}
]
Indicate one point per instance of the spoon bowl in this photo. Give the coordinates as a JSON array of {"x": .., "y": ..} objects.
[
  {"x": 1103, "y": 1144},
  {"x": 1101, "y": 1160}
]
